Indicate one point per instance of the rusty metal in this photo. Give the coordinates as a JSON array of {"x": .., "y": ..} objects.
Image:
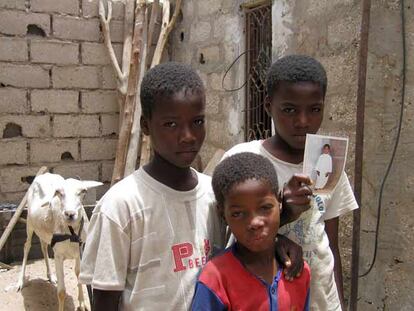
[
  {"x": 258, "y": 59},
  {"x": 359, "y": 150}
]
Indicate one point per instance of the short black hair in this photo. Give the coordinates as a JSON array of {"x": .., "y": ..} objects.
[
  {"x": 239, "y": 168},
  {"x": 326, "y": 145},
  {"x": 166, "y": 80},
  {"x": 295, "y": 68}
]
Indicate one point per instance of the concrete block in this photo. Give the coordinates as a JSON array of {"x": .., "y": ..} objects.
[
  {"x": 86, "y": 77},
  {"x": 54, "y": 52},
  {"x": 55, "y": 101},
  {"x": 32, "y": 126},
  {"x": 90, "y": 9},
  {"x": 200, "y": 32},
  {"x": 12, "y": 197},
  {"x": 51, "y": 150},
  {"x": 13, "y": 49},
  {"x": 14, "y": 178},
  {"x": 98, "y": 148},
  {"x": 24, "y": 75},
  {"x": 75, "y": 28},
  {"x": 213, "y": 102},
  {"x": 84, "y": 171},
  {"x": 13, "y": 100},
  {"x": 211, "y": 54},
  {"x": 58, "y": 6},
  {"x": 76, "y": 125},
  {"x": 13, "y": 152},
  {"x": 117, "y": 31},
  {"x": 99, "y": 102},
  {"x": 107, "y": 169},
  {"x": 108, "y": 78},
  {"x": 16, "y": 22},
  {"x": 13, "y": 4},
  {"x": 110, "y": 124},
  {"x": 97, "y": 54}
]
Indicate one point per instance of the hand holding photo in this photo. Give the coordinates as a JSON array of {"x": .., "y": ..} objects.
[{"x": 324, "y": 161}]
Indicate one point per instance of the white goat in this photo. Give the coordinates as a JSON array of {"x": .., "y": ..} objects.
[{"x": 56, "y": 215}]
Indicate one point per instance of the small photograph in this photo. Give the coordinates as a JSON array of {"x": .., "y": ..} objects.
[{"x": 324, "y": 161}]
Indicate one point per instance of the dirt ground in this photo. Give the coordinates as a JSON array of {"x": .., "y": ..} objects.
[{"x": 38, "y": 294}]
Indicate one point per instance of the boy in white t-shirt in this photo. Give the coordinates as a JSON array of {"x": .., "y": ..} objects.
[
  {"x": 296, "y": 87},
  {"x": 152, "y": 232}
]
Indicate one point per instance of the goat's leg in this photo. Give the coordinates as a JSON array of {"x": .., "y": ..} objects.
[
  {"x": 81, "y": 298},
  {"x": 61, "y": 292},
  {"x": 27, "y": 246},
  {"x": 50, "y": 276}
]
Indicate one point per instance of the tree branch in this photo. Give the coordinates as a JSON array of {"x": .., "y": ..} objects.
[{"x": 105, "y": 20}]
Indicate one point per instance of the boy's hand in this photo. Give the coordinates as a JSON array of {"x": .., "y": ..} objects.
[
  {"x": 296, "y": 198},
  {"x": 290, "y": 255}
]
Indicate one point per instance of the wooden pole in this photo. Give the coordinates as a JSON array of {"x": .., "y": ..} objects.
[
  {"x": 359, "y": 150},
  {"x": 128, "y": 114}
]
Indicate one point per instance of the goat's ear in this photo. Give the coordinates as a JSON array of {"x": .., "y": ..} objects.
[
  {"x": 88, "y": 184},
  {"x": 44, "y": 187}
]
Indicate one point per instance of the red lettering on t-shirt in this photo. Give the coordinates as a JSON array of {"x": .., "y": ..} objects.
[{"x": 181, "y": 251}]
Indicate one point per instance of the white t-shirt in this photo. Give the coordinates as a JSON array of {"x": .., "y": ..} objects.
[
  {"x": 309, "y": 230},
  {"x": 150, "y": 241}
]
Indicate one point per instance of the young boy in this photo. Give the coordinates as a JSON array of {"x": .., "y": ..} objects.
[
  {"x": 152, "y": 231},
  {"x": 247, "y": 276},
  {"x": 323, "y": 167},
  {"x": 296, "y": 88}
]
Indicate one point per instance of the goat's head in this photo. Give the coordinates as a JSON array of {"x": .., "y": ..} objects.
[{"x": 69, "y": 195}]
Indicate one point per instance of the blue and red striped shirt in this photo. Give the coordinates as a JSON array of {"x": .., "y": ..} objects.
[{"x": 225, "y": 284}]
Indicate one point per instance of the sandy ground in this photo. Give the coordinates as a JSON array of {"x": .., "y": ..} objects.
[{"x": 38, "y": 294}]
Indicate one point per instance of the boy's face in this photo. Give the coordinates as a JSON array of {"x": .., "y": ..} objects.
[
  {"x": 296, "y": 110},
  {"x": 252, "y": 212},
  {"x": 177, "y": 127},
  {"x": 326, "y": 150}
]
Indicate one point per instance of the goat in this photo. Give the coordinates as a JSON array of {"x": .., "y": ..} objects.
[{"x": 56, "y": 215}]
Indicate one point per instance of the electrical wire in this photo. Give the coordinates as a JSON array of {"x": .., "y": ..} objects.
[{"x": 397, "y": 140}]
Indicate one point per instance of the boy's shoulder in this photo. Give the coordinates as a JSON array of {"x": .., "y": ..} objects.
[
  {"x": 218, "y": 267},
  {"x": 253, "y": 146}
]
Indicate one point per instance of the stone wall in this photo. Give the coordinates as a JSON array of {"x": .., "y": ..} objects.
[
  {"x": 57, "y": 92},
  {"x": 329, "y": 30},
  {"x": 209, "y": 36}
]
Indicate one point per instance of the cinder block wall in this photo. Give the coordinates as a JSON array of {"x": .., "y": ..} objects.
[
  {"x": 209, "y": 36},
  {"x": 58, "y": 102}
]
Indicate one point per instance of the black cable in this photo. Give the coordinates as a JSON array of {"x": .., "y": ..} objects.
[
  {"x": 228, "y": 69},
  {"x": 397, "y": 140}
]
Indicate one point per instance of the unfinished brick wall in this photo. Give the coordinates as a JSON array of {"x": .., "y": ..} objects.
[
  {"x": 58, "y": 102},
  {"x": 209, "y": 36}
]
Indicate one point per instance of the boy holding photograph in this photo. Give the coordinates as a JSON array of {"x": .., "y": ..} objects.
[{"x": 296, "y": 89}]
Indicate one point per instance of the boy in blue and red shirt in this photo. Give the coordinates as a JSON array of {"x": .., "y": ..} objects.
[{"x": 247, "y": 276}]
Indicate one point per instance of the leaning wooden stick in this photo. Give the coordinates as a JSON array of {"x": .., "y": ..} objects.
[
  {"x": 129, "y": 108},
  {"x": 17, "y": 214}
]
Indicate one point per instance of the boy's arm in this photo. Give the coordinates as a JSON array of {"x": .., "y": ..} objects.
[
  {"x": 296, "y": 196},
  {"x": 106, "y": 300},
  {"x": 331, "y": 228}
]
